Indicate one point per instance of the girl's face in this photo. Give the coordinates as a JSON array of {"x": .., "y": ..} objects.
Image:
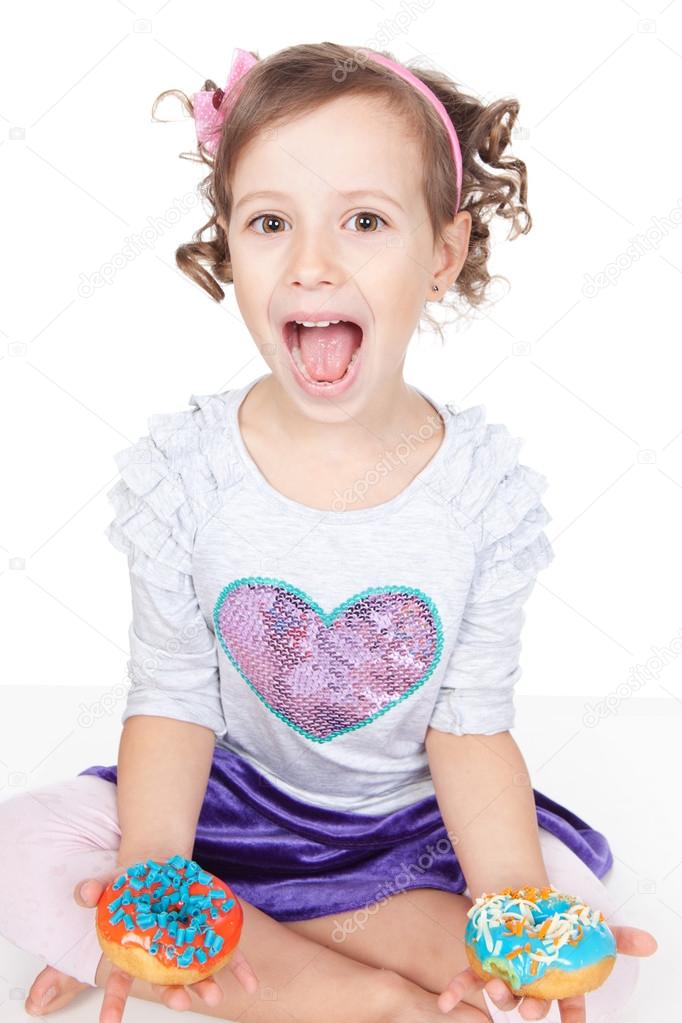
[{"x": 306, "y": 246}]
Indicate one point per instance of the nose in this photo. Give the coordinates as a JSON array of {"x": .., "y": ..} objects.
[{"x": 312, "y": 259}]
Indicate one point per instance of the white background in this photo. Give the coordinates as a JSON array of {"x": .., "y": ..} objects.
[{"x": 587, "y": 374}]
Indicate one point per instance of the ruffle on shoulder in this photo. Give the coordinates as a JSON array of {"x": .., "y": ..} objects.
[
  {"x": 172, "y": 480},
  {"x": 496, "y": 500}
]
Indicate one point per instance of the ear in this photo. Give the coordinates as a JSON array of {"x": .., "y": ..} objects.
[{"x": 450, "y": 254}]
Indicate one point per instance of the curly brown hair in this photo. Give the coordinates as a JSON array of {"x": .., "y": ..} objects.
[{"x": 298, "y": 79}]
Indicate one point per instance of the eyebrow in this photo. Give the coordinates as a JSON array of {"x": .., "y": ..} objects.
[{"x": 356, "y": 193}]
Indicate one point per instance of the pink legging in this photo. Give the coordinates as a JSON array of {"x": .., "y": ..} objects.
[{"x": 54, "y": 836}]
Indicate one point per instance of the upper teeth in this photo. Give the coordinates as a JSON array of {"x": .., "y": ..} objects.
[{"x": 316, "y": 323}]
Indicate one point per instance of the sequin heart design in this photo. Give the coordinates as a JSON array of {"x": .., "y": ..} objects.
[{"x": 324, "y": 674}]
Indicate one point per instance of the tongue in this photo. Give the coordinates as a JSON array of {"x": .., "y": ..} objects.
[{"x": 327, "y": 351}]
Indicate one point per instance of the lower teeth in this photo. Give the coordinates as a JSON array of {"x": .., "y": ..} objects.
[{"x": 296, "y": 354}]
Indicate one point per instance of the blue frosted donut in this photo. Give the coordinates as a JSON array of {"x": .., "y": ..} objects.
[{"x": 541, "y": 942}]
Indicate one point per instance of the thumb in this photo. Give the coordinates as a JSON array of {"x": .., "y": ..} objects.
[{"x": 87, "y": 892}]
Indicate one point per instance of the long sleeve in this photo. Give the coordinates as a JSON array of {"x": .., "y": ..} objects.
[
  {"x": 499, "y": 506},
  {"x": 173, "y": 666}
]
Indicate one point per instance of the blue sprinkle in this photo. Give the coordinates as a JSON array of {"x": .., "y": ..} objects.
[
  {"x": 170, "y": 951},
  {"x": 113, "y": 906},
  {"x": 228, "y": 905},
  {"x": 214, "y": 913},
  {"x": 209, "y": 938},
  {"x": 145, "y": 923},
  {"x": 118, "y": 916},
  {"x": 215, "y": 892},
  {"x": 201, "y": 955},
  {"x": 204, "y": 878},
  {"x": 153, "y": 948},
  {"x": 158, "y": 934},
  {"x": 119, "y": 882},
  {"x": 218, "y": 943},
  {"x": 128, "y": 921}
]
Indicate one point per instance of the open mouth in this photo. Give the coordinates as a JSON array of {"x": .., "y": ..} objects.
[{"x": 324, "y": 355}]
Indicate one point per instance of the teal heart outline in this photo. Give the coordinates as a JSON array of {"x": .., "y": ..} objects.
[{"x": 328, "y": 619}]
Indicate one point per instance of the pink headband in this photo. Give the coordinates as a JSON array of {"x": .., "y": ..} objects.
[{"x": 212, "y": 107}]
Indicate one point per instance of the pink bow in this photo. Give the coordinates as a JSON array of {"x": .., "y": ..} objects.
[{"x": 212, "y": 107}]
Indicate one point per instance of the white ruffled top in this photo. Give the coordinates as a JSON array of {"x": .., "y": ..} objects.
[{"x": 322, "y": 645}]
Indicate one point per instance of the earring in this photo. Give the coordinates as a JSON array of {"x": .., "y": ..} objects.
[{"x": 434, "y": 287}]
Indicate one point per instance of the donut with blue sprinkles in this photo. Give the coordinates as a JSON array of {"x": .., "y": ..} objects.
[
  {"x": 168, "y": 922},
  {"x": 540, "y": 941}
]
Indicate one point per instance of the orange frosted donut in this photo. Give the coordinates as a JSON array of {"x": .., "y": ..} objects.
[{"x": 168, "y": 923}]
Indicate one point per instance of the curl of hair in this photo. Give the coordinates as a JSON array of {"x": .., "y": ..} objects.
[{"x": 297, "y": 80}]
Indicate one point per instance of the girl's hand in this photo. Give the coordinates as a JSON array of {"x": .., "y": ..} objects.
[
  {"x": 631, "y": 941},
  {"x": 176, "y": 996}
]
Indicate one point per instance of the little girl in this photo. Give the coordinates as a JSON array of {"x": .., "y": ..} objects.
[{"x": 329, "y": 569}]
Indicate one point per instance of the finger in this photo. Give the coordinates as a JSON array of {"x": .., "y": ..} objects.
[
  {"x": 572, "y": 1010},
  {"x": 244, "y": 972},
  {"x": 502, "y": 995},
  {"x": 209, "y": 990},
  {"x": 458, "y": 987},
  {"x": 633, "y": 941},
  {"x": 534, "y": 1008},
  {"x": 115, "y": 995},
  {"x": 173, "y": 996}
]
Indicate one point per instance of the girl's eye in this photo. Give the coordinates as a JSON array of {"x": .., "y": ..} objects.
[
  {"x": 366, "y": 215},
  {"x": 270, "y": 220}
]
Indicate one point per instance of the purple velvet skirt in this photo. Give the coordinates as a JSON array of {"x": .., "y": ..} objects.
[{"x": 296, "y": 861}]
